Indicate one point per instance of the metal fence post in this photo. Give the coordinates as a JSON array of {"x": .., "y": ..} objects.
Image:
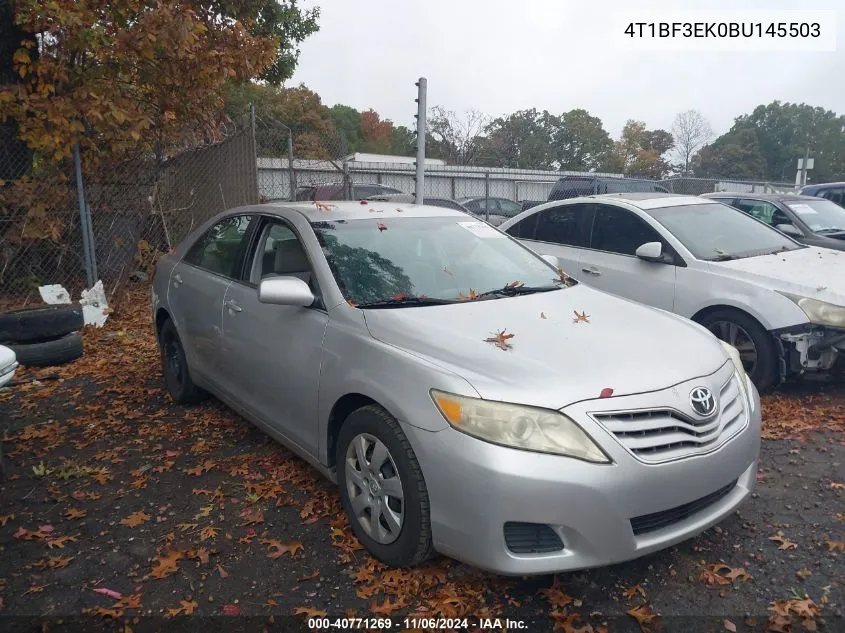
[
  {"x": 419, "y": 191},
  {"x": 487, "y": 196},
  {"x": 291, "y": 172},
  {"x": 83, "y": 219}
]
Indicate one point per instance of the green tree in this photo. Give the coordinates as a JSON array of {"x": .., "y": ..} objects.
[
  {"x": 580, "y": 142},
  {"x": 522, "y": 140},
  {"x": 737, "y": 155},
  {"x": 404, "y": 141},
  {"x": 347, "y": 122}
]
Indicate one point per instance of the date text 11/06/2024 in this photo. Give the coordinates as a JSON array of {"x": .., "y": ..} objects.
[
  {"x": 778, "y": 30},
  {"x": 446, "y": 624}
]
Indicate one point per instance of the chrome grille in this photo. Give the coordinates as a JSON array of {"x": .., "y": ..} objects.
[{"x": 660, "y": 435}]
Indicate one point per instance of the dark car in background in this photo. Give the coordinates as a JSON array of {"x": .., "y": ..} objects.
[
  {"x": 807, "y": 219},
  {"x": 498, "y": 209},
  {"x": 408, "y": 198},
  {"x": 833, "y": 191},
  {"x": 575, "y": 186},
  {"x": 335, "y": 191}
]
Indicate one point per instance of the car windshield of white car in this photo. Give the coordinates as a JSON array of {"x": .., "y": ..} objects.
[
  {"x": 413, "y": 261},
  {"x": 716, "y": 232},
  {"x": 822, "y": 216}
]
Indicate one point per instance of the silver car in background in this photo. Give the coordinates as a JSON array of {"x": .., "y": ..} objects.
[{"x": 466, "y": 395}]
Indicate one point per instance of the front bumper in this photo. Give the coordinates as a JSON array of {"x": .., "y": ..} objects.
[
  {"x": 809, "y": 348},
  {"x": 475, "y": 488}
]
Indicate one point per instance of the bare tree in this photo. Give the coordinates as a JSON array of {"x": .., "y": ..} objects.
[
  {"x": 691, "y": 132},
  {"x": 456, "y": 139}
]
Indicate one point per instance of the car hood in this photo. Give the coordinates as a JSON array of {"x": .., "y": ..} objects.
[
  {"x": 809, "y": 272},
  {"x": 553, "y": 361}
]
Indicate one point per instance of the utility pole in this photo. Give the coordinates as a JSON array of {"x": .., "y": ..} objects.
[{"x": 420, "y": 161}]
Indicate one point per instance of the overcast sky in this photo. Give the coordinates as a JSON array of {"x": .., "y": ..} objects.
[{"x": 498, "y": 56}]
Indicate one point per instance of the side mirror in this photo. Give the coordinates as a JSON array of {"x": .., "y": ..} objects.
[
  {"x": 650, "y": 251},
  {"x": 789, "y": 229},
  {"x": 285, "y": 291},
  {"x": 554, "y": 261}
]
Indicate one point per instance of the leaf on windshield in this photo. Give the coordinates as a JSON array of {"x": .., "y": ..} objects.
[
  {"x": 515, "y": 284},
  {"x": 500, "y": 340},
  {"x": 581, "y": 317},
  {"x": 324, "y": 206},
  {"x": 400, "y": 296},
  {"x": 364, "y": 202},
  {"x": 563, "y": 278},
  {"x": 472, "y": 296},
  {"x": 448, "y": 272},
  {"x": 381, "y": 227},
  {"x": 352, "y": 303}
]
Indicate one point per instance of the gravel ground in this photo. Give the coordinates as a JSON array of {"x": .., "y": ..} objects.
[{"x": 121, "y": 510}]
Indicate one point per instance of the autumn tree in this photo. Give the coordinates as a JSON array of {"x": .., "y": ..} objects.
[
  {"x": 377, "y": 133},
  {"x": 691, "y": 132},
  {"x": 639, "y": 151}
]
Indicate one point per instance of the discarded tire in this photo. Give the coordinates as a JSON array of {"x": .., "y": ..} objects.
[
  {"x": 48, "y": 353},
  {"x": 41, "y": 323}
]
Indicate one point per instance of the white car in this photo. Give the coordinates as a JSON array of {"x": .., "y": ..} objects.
[
  {"x": 8, "y": 364},
  {"x": 780, "y": 303}
]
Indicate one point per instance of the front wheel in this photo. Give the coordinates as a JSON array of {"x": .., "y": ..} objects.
[
  {"x": 755, "y": 345},
  {"x": 382, "y": 488}
]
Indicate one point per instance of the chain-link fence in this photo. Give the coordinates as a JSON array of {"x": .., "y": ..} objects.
[{"x": 124, "y": 213}]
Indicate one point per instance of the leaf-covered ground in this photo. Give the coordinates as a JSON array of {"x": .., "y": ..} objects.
[{"x": 118, "y": 505}]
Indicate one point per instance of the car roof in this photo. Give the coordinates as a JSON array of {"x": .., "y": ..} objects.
[
  {"x": 351, "y": 210},
  {"x": 824, "y": 185},
  {"x": 782, "y": 197}
]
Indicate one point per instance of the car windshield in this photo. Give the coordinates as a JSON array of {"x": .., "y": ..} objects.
[
  {"x": 716, "y": 232},
  {"x": 419, "y": 261},
  {"x": 822, "y": 216}
]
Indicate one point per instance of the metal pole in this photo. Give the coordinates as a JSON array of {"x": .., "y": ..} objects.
[
  {"x": 804, "y": 166},
  {"x": 422, "y": 86},
  {"x": 83, "y": 222},
  {"x": 487, "y": 196},
  {"x": 291, "y": 172}
]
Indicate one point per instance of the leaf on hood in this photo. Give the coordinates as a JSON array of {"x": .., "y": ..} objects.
[
  {"x": 500, "y": 340},
  {"x": 542, "y": 315},
  {"x": 323, "y": 206},
  {"x": 582, "y": 317},
  {"x": 606, "y": 392},
  {"x": 381, "y": 226}
]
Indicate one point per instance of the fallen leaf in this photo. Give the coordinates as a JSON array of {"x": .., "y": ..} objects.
[
  {"x": 837, "y": 486},
  {"x": 223, "y": 573},
  {"x": 75, "y": 513},
  {"x": 314, "y": 574},
  {"x": 381, "y": 226},
  {"x": 277, "y": 549},
  {"x": 606, "y": 392},
  {"x": 186, "y": 607},
  {"x": 583, "y": 317},
  {"x": 730, "y": 626},
  {"x": 208, "y": 533},
  {"x": 835, "y": 546},
  {"x": 644, "y": 615},
  {"x": 324, "y": 207},
  {"x": 108, "y": 592},
  {"x": 783, "y": 542},
  {"x": 231, "y": 609},
  {"x": 472, "y": 295},
  {"x": 253, "y": 518},
  {"x": 722, "y": 574},
  {"x": 542, "y": 315},
  {"x": 515, "y": 284},
  {"x": 309, "y": 612},
  {"x": 804, "y": 573},
  {"x": 60, "y": 541},
  {"x": 135, "y": 519},
  {"x": 5, "y": 519},
  {"x": 500, "y": 340},
  {"x": 633, "y": 591},
  {"x": 166, "y": 564}
]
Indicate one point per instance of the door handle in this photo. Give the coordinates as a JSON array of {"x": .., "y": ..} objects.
[
  {"x": 234, "y": 307},
  {"x": 590, "y": 271},
  {"x": 177, "y": 279}
]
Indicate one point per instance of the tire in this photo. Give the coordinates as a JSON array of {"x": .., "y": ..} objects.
[
  {"x": 413, "y": 545},
  {"x": 41, "y": 323},
  {"x": 764, "y": 373},
  {"x": 57, "y": 351},
  {"x": 174, "y": 367}
]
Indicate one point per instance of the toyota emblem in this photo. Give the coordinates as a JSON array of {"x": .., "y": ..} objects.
[{"x": 702, "y": 401}]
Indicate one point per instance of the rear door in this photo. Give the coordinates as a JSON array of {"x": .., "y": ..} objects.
[
  {"x": 562, "y": 231},
  {"x": 610, "y": 263},
  {"x": 197, "y": 288}
]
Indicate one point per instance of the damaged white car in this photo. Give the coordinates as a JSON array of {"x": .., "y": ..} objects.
[{"x": 780, "y": 303}]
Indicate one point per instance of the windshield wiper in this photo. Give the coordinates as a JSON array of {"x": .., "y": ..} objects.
[
  {"x": 512, "y": 291},
  {"x": 406, "y": 301},
  {"x": 831, "y": 229}
]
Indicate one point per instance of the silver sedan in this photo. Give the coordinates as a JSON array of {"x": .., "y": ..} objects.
[{"x": 467, "y": 396}]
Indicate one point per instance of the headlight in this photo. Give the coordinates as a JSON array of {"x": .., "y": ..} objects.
[
  {"x": 737, "y": 361},
  {"x": 517, "y": 426},
  {"x": 821, "y": 312}
]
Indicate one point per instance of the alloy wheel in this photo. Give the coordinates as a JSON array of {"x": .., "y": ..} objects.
[{"x": 737, "y": 336}]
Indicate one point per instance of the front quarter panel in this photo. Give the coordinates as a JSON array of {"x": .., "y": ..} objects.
[
  {"x": 356, "y": 363},
  {"x": 702, "y": 285}
]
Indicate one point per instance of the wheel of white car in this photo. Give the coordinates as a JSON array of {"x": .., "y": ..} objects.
[
  {"x": 382, "y": 488},
  {"x": 755, "y": 345}
]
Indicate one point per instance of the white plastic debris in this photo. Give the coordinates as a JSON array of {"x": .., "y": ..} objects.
[
  {"x": 94, "y": 305},
  {"x": 54, "y": 294}
]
